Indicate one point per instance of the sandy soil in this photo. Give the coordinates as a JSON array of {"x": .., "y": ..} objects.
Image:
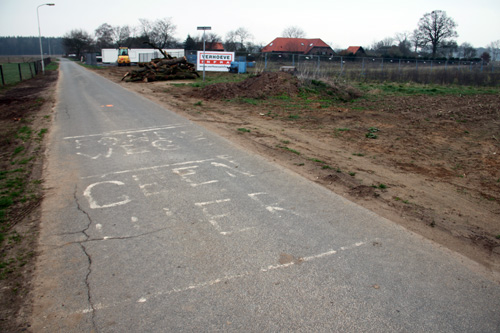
[{"x": 434, "y": 166}]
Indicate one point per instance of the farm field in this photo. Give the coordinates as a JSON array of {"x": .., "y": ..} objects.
[
  {"x": 11, "y": 72},
  {"x": 425, "y": 157},
  {"x": 17, "y": 68}
]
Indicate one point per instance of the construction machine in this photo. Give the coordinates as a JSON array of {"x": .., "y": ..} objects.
[{"x": 123, "y": 58}]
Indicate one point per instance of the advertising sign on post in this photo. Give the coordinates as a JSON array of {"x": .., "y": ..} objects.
[{"x": 214, "y": 61}]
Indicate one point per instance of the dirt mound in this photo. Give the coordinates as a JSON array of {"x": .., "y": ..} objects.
[
  {"x": 277, "y": 84},
  {"x": 259, "y": 87}
]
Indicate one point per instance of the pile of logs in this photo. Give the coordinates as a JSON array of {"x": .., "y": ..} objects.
[{"x": 167, "y": 68}]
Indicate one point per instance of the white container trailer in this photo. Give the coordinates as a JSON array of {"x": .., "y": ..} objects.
[{"x": 109, "y": 56}]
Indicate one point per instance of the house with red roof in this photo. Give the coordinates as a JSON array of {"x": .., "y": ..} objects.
[
  {"x": 309, "y": 46},
  {"x": 355, "y": 50},
  {"x": 211, "y": 46}
]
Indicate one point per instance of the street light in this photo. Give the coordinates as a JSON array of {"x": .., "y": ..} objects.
[
  {"x": 204, "y": 29},
  {"x": 39, "y": 34}
]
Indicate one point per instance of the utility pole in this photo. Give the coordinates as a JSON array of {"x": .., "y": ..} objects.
[{"x": 204, "y": 29}]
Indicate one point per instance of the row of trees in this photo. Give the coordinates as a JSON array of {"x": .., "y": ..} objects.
[
  {"x": 160, "y": 32},
  {"x": 400, "y": 46},
  {"x": 434, "y": 37},
  {"x": 30, "y": 45}
]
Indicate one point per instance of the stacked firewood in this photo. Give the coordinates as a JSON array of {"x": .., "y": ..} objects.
[
  {"x": 163, "y": 69},
  {"x": 158, "y": 69}
]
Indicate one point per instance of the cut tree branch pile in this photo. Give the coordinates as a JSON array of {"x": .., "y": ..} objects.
[{"x": 164, "y": 69}]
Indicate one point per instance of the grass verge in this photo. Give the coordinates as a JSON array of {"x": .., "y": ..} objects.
[{"x": 21, "y": 189}]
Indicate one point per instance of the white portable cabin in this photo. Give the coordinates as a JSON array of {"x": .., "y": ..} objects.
[{"x": 110, "y": 56}]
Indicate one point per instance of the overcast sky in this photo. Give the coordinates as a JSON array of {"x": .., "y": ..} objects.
[{"x": 338, "y": 23}]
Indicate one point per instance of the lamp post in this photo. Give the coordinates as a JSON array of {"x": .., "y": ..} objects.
[
  {"x": 204, "y": 29},
  {"x": 39, "y": 34}
]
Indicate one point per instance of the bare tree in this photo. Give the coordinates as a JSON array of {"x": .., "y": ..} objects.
[
  {"x": 382, "y": 47},
  {"x": 402, "y": 37},
  {"x": 104, "y": 35},
  {"x": 109, "y": 36},
  {"x": 77, "y": 41},
  {"x": 163, "y": 33},
  {"x": 235, "y": 40},
  {"x": 293, "y": 32},
  {"x": 145, "y": 27},
  {"x": 467, "y": 50},
  {"x": 404, "y": 44},
  {"x": 436, "y": 27},
  {"x": 159, "y": 32},
  {"x": 121, "y": 34},
  {"x": 417, "y": 40},
  {"x": 243, "y": 35},
  {"x": 449, "y": 48},
  {"x": 230, "y": 41},
  {"x": 494, "y": 48},
  {"x": 213, "y": 38}
]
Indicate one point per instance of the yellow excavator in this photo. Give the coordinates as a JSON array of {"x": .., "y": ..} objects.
[{"x": 123, "y": 58}]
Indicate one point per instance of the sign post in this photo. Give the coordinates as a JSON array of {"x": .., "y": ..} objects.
[{"x": 204, "y": 29}]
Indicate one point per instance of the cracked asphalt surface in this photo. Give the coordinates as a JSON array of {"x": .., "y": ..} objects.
[
  {"x": 89, "y": 258},
  {"x": 151, "y": 223}
]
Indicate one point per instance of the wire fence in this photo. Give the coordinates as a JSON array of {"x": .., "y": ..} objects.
[
  {"x": 462, "y": 72},
  {"x": 147, "y": 57},
  {"x": 13, "y": 72}
]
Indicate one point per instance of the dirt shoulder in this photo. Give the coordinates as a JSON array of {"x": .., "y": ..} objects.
[
  {"x": 25, "y": 117},
  {"x": 428, "y": 163}
]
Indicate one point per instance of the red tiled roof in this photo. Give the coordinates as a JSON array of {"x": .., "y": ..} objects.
[
  {"x": 353, "y": 49},
  {"x": 298, "y": 45},
  {"x": 216, "y": 46}
]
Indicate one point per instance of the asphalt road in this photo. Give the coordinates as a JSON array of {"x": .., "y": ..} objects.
[{"x": 153, "y": 224}]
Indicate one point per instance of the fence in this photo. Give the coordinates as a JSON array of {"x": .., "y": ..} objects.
[
  {"x": 147, "y": 57},
  {"x": 380, "y": 69},
  {"x": 15, "y": 72}
]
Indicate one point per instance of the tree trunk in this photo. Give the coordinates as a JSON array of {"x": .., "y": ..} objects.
[{"x": 169, "y": 62}]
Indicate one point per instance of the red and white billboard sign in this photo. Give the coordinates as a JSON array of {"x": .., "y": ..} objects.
[{"x": 214, "y": 61}]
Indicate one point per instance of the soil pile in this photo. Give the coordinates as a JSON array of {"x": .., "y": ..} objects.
[
  {"x": 266, "y": 85},
  {"x": 260, "y": 86}
]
